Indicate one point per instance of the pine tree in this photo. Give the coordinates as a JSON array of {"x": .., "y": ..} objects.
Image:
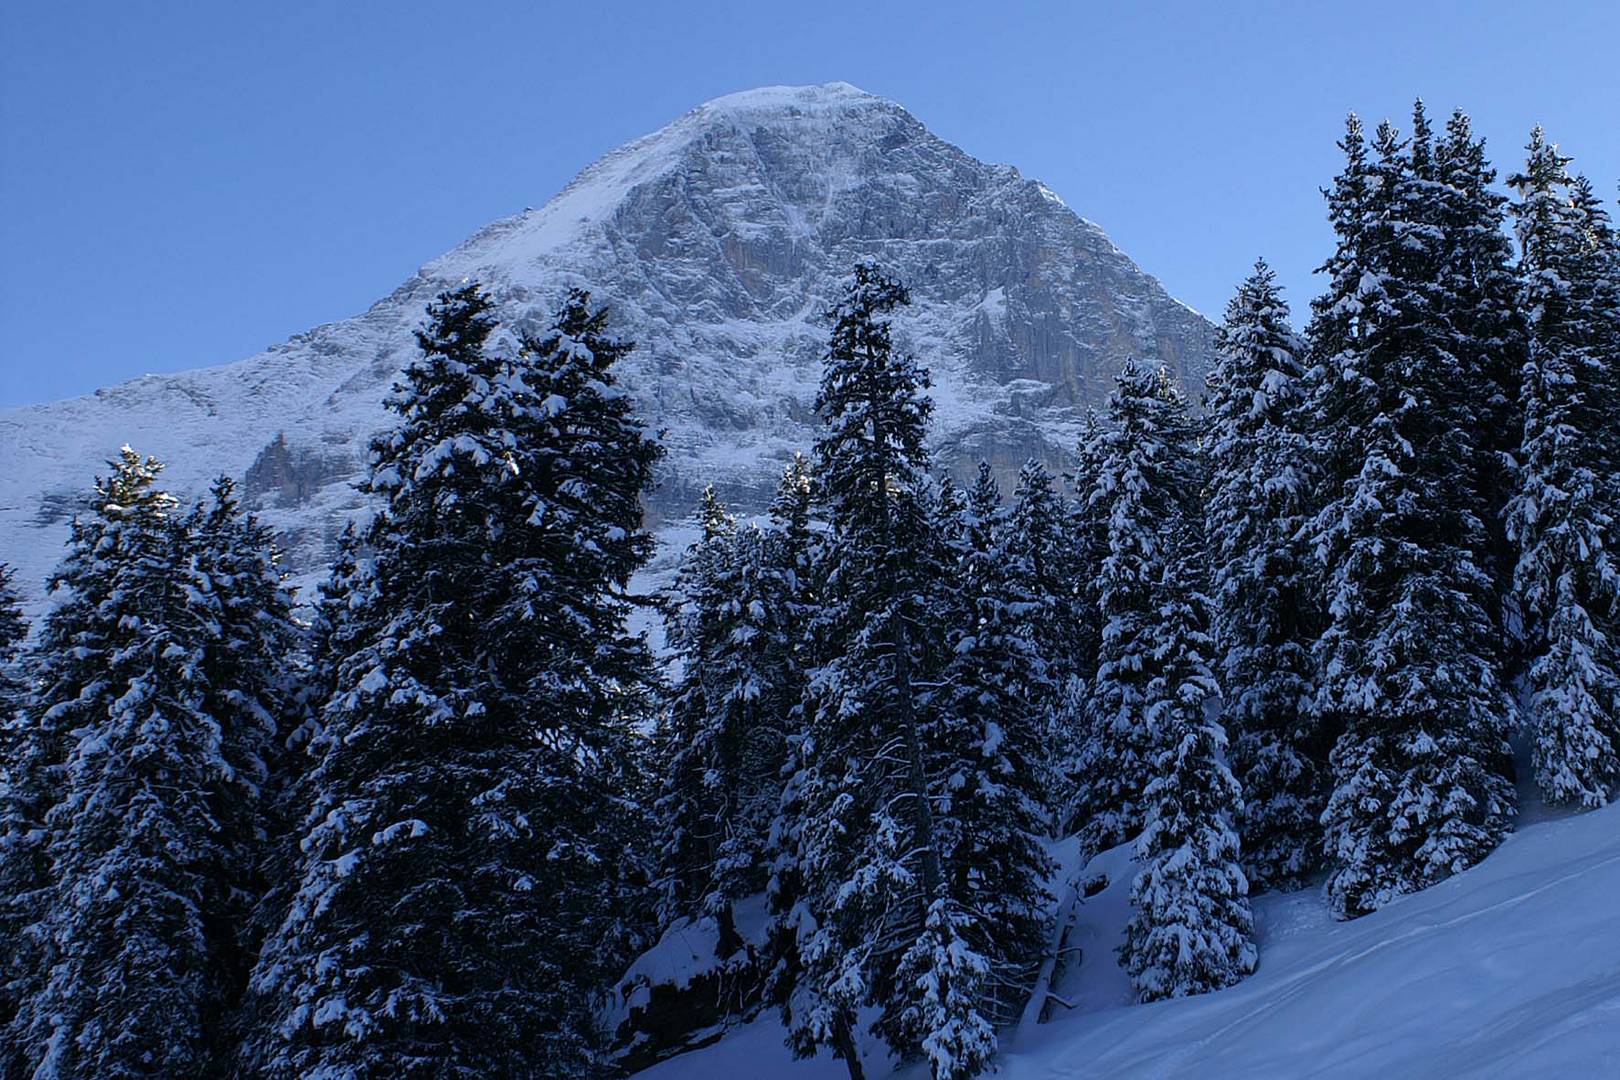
[
  {"x": 466, "y": 867},
  {"x": 1191, "y": 928},
  {"x": 1265, "y": 602},
  {"x": 129, "y": 961},
  {"x": 1147, "y": 482},
  {"x": 1408, "y": 663},
  {"x": 1563, "y": 516}
]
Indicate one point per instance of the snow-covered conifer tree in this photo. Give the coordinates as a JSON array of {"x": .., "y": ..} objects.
[
  {"x": 1147, "y": 480},
  {"x": 1191, "y": 930},
  {"x": 735, "y": 631},
  {"x": 1089, "y": 531},
  {"x": 867, "y": 848},
  {"x": 1477, "y": 296},
  {"x": 889, "y": 916},
  {"x": 989, "y": 741},
  {"x": 253, "y": 673},
  {"x": 127, "y": 969},
  {"x": 13, "y": 740},
  {"x": 1264, "y": 585},
  {"x": 1563, "y": 517},
  {"x": 1041, "y": 534},
  {"x": 13, "y": 631},
  {"x": 689, "y": 828},
  {"x": 466, "y": 858},
  {"x": 1408, "y": 663}
]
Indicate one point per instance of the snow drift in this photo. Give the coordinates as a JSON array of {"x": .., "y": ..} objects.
[{"x": 1510, "y": 969}]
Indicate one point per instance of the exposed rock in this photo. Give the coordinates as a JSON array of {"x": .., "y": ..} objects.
[{"x": 718, "y": 242}]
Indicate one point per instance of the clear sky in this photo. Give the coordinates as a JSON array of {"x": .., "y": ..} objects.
[{"x": 185, "y": 183}]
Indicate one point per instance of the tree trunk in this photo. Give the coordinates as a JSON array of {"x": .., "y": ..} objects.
[{"x": 844, "y": 1047}]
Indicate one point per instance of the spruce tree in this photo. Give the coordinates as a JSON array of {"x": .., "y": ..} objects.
[
  {"x": 13, "y": 631},
  {"x": 254, "y": 672},
  {"x": 900, "y": 782},
  {"x": 466, "y": 866},
  {"x": 1040, "y": 530},
  {"x": 784, "y": 889},
  {"x": 1408, "y": 663},
  {"x": 13, "y": 743},
  {"x": 129, "y": 777},
  {"x": 1044, "y": 542},
  {"x": 1089, "y": 528},
  {"x": 735, "y": 633},
  {"x": 1147, "y": 482},
  {"x": 1191, "y": 929},
  {"x": 1563, "y": 516},
  {"x": 988, "y": 788},
  {"x": 1478, "y": 298},
  {"x": 1266, "y": 612},
  {"x": 867, "y": 849},
  {"x": 690, "y": 823}
]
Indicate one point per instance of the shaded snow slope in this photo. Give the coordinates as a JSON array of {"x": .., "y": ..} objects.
[
  {"x": 717, "y": 241},
  {"x": 1511, "y": 969}
]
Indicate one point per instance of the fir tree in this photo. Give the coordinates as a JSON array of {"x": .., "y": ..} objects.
[
  {"x": 1043, "y": 541},
  {"x": 13, "y": 631},
  {"x": 253, "y": 672},
  {"x": 1563, "y": 514},
  {"x": 1088, "y": 528},
  {"x": 989, "y": 738},
  {"x": 867, "y": 849},
  {"x": 1408, "y": 662},
  {"x": 791, "y": 505},
  {"x": 784, "y": 889},
  {"x": 466, "y": 860},
  {"x": 1478, "y": 296},
  {"x": 1265, "y": 602},
  {"x": 690, "y": 825},
  {"x": 1147, "y": 482},
  {"x": 901, "y": 783},
  {"x": 735, "y": 633},
  {"x": 13, "y": 877},
  {"x": 1191, "y": 928},
  {"x": 338, "y": 617},
  {"x": 130, "y": 963}
]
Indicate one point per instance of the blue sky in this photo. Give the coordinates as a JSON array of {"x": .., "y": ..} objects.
[{"x": 183, "y": 184}]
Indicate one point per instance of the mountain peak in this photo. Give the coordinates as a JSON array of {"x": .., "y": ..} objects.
[
  {"x": 717, "y": 243},
  {"x": 789, "y": 100}
]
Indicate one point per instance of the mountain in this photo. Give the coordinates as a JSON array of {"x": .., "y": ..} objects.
[{"x": 718, "y": 242}]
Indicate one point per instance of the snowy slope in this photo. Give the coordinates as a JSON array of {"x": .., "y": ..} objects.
[
  {"x": 1511, "y": 969},
  {"x": 717, "y": 241}
]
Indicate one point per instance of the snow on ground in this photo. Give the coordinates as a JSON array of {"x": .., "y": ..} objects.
[{"x": 1511, "y": 969}]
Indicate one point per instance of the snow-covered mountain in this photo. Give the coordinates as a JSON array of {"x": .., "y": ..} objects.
[{"x": 717, "y": 241}]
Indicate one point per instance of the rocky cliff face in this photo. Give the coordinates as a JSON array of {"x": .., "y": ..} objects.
[{"x": 718, "y": 242}]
